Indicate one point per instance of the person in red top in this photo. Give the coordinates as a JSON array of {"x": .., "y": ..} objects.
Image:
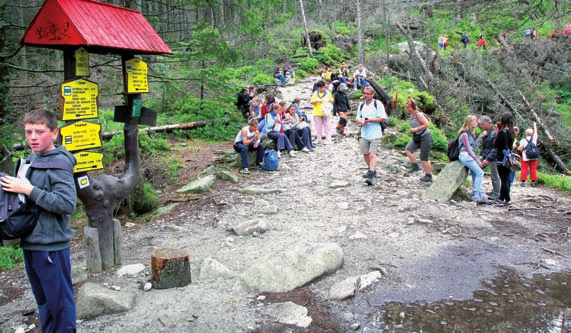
[
  {"x": 267, "y": 106},
  {"x": 481, "y": 43}
]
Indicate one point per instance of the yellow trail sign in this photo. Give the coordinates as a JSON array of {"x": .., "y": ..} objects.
[
  {"x": 81, "y": 62},
  {"x": 78, "y": 100},
  {"x": 81, "y": 135},
  {"x": 87, "y": 161},
  {"x": 137, "y": 81}
]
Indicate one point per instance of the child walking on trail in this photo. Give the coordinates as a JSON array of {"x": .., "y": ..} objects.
[
  {"x": 341, "y": 106},
  {"x": 46, "y": 249}
]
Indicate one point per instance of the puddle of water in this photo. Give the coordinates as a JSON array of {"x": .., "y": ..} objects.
[{"x": 509, "y": 303}]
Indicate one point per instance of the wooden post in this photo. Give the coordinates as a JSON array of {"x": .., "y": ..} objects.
[
  {"x": 92, "y": 252},
  {"x": 170, "y": 268}
]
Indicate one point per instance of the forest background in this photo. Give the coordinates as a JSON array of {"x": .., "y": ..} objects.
[{"x": 221, "y": 46}]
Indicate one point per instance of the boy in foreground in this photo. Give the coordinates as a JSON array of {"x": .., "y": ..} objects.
[{"x": 47, "y": 248}]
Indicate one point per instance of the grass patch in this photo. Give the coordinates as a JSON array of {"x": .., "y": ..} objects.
[{"x": 9, "y": 257}]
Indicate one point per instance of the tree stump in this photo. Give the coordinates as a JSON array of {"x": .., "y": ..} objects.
[{"x": 170, "y": 268}]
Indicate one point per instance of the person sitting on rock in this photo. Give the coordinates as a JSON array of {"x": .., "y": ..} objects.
[
  {"x": 278, "y": 75},
  {"x": 467, "y": 143},
  {"x": 343, "y": 72},
  {"x": 288, "y": 122},
  {"x": 267, "y": 106},
  {"x": 255, "y": 107},
  {"x": 301, "y": 126},
  {"x": 360, "y": 76},
  {"x": 247, "y": 140},
  {"x": 243, "y": 102},
  {"x": 275, "y": 131}
]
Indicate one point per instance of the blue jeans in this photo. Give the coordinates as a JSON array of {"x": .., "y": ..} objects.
[
  {"x": 244, "y": 150},
  {"x": 281, "y": 77},
  {"x": 477, "y": 173},
  {"x": 295, "y": 139},
  {"x": 362, "y": 81},
  {"x": 281, "y": 140},
  {"x": 49, "y": 274},
  {"x": 305, "y": 134}
]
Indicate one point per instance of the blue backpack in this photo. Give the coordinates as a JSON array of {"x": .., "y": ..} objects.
[{"x": 271, "y": 161}]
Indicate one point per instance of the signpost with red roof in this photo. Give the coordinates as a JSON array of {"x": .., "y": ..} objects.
[{"x": 79, "y": 28}]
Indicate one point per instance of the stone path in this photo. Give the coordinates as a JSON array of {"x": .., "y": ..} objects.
[{"x": 423, "y": 250}]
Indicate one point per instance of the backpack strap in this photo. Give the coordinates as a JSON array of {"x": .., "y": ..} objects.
[{"x": 54, "y": 164}]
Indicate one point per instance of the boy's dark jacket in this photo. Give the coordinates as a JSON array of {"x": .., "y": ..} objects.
[{"x": 54, "y": 192}]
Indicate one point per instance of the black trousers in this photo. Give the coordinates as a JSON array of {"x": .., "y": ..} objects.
[{"x": 505, "y": 183}]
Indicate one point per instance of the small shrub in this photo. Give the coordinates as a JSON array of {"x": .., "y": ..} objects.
[
  {"x": 261, "y": 79},
  {"x": 9, "y": 257},
  {"x": 309, "y": 64}
]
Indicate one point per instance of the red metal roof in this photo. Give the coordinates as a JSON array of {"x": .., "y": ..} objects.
[{"x": 95, "y": 25}]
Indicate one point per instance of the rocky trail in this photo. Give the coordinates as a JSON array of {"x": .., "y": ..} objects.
[{"x": 312, "y": 248}]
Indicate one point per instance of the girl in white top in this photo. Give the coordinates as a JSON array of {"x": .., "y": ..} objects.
[{"x": 526, "y": 163}]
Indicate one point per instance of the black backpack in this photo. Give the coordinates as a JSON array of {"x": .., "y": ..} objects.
[
  {"x": 531, "y": 150},
  {"x": 384, "y": 124},
  {"x": 18, "y": 216},
  {"x": 453, "y": 150}
]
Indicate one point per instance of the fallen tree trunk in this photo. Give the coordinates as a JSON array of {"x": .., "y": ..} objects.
[
  {"x": 557, "y": 160},
  {"x": 538, "y": 120}
]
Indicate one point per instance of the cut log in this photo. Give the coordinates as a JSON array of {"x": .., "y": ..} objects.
[{"x": 170, "y": 268}]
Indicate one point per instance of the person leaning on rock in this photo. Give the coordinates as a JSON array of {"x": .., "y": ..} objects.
[
  {"x": 370, "y": 114},
  {"x": 488, "y": 155},
  {"x": 421, "y": 138}
]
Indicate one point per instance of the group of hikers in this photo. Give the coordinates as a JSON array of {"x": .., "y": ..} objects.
[
  {"x": 497, "y": 139},
  {"x": 290, "y": 128}
]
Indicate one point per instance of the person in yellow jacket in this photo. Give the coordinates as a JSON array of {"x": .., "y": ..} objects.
[{"x": 322, "y": 101}]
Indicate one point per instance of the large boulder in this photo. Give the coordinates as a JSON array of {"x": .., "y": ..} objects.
[
  {"x": 447, "y": 182},
  {"x": 294, "y": 267},
  {"x": 197, "y": 186},
  {"x": 94, "y": 300}
]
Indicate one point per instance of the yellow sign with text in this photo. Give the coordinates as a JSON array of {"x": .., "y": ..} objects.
[
  {"x": 137, "y": 81},
  {"x": 81, "y": 62},
  {"x": 81, "y": 135},
  {"x": 78, "y": 100},
  {"x": 87, "y": 161}
]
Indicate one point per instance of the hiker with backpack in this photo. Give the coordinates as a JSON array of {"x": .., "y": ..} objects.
[
  {"x": 530, "y": 155},
  {"x": 341, "y": 106},
  {"x": 488, "y": 155},
  {"x": 504, "y": 142},
  {"x": 47, "y": 248},
  {"x": 247, "y": 140},
  {"x": 421, "y": 138},
  {"x": 468, "y": 142},
  {"x": 465, "y": 39},
  {"x": 370, "y": 115}
]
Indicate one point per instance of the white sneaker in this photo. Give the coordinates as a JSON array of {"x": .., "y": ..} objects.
[
  {"x": 279, "y": 154},
  {"x": 291, "y": 153},
  {"x": 245, "y": 171},
  {"x": 305, "y": 150}
]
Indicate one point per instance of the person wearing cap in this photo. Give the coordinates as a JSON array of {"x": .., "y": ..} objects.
[
  {"x": 322, "y": 101},
  {"x": 341, "y": 106},
  {"x": 360, "y": 76}
]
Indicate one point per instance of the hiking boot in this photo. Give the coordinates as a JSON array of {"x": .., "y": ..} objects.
[
  {"x": 245, "y": 171},
  {"x": 366, "y": 174},
  {"x": 522, "y": 184},
  {"x": 415, "y": 167},
  {"x": 482, "y": 201},
  {"x": 426, "y": 178},
  {"x": 370, "y": 178},
  {"x": 533, "y": 184}
]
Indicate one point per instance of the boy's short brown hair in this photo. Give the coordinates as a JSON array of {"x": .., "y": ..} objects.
[{"x": 41, "y": 117}]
